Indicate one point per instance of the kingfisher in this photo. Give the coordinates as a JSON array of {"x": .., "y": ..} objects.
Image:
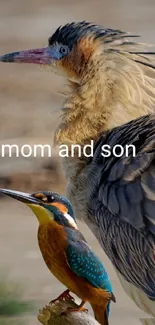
[
  {"x": 111, "y": 99},
  {"x": 67, "y": 254}
]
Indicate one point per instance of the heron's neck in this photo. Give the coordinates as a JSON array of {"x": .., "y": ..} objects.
[{"x": 109, "y": 99}]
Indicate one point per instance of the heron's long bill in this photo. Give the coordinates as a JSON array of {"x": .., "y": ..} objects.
[{"x": 39, "y": 56}]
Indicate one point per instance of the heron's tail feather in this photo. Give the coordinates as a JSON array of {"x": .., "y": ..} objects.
[{"x": 141, "y": 300}]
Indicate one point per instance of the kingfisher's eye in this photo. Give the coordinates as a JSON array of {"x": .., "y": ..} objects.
[
  {"x": 64, "y": 50},
  {"x": 51, "y": 198}
]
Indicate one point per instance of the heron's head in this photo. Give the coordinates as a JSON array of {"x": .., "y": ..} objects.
[
  {"x": 116, "y": 75},
  {"x": 70, "y": 51}
]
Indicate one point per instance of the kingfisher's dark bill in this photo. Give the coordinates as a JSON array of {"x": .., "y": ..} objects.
[{"x": 21, "y": 196}]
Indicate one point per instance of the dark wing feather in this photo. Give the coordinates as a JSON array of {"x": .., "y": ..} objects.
[{"x": 123, "y": 201}]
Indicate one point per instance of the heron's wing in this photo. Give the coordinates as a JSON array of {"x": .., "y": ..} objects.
[{"x": 123, "y": 196}]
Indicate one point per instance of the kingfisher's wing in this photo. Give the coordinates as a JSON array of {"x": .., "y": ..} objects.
[
  {"x": 122, "y": 199},
  {"x": 85, "y": 263}
]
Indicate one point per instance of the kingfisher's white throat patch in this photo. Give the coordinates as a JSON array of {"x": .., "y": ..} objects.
[{"x": 71, "y": 220}]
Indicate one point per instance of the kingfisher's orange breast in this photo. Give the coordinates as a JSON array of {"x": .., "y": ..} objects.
[{"x": 53, "y": 244}]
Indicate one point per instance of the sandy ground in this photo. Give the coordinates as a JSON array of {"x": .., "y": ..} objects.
[{"x": 29, "y": 112}]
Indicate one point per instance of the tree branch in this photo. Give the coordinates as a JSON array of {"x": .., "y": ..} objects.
[{"x": 52, "y": 315}]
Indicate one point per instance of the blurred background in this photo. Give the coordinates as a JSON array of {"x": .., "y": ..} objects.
[{"x": 29, "y": 113}]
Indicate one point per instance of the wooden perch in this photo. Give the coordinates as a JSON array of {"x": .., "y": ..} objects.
[{"x": 52, "y": 315}]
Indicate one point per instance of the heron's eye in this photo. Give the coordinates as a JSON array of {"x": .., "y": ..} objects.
[{"x": 64, "y": 50}]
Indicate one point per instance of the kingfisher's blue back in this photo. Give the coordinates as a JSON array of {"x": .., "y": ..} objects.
[{"x": 85, "y": 263}]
